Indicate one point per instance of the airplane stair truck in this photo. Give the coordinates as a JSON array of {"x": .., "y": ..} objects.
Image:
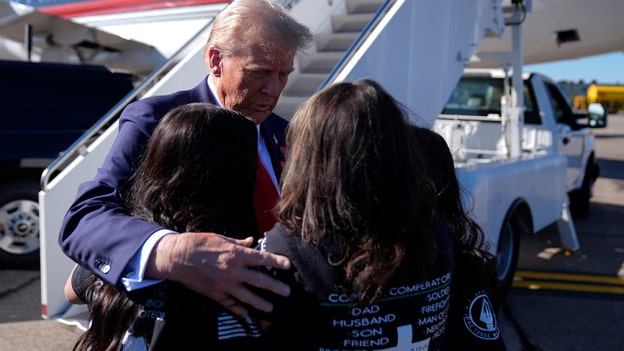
[{"x": 417, "y": 50}]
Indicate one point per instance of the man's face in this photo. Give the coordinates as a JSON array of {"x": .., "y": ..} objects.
[{"x": 250, "y": 83}]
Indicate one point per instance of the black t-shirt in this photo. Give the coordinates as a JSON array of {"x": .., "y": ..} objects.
[
  {"x": 454, "y": 308},
  {"x": 475, "y": 301},
  {"x": 170, "y": 316},
  {"x": 411, "y": 314}
]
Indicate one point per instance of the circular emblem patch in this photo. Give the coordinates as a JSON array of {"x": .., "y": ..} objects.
[{"x": 480, "y": 318}]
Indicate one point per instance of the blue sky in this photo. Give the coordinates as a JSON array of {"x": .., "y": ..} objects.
[{"x": 605, "y": 69}]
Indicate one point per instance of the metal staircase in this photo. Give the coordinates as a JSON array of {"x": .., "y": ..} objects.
[{"x": 315, "y": 66}]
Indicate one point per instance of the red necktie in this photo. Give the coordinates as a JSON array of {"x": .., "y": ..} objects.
[{"x": 264, "y": 199}]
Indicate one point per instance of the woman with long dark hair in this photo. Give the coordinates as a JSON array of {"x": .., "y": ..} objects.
[
  {"x": 197, "y": 175},
  {"x": 475, "y": 297},
  {"x": 363, "y": 222},
  {"x": 371, "y": 258}
]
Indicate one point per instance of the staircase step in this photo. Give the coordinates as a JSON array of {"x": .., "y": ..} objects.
[
  {"x": 304, "y": 84},
  {"x": 335, "y": 41},
  {"x": 319, "y": 62},
  {"x": 363, "y": 6},
  {"x": 350, "y": 23}
]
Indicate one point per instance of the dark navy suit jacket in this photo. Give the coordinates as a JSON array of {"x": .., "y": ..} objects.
[{"x": 96, "y": 232}]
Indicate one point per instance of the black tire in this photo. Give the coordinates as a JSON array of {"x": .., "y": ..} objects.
[
  {"x": 580, "y": 198},
  {"x": 516, "y": 224},
  {"x": 19, "y": 222}
]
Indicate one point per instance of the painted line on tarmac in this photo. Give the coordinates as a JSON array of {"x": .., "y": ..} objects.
[{"x": 569, "y": 282}]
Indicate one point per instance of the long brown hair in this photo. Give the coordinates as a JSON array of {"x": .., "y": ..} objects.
[
  {"x": 110, "y": 314},
  {"x": 353, "y": 172},
  {"x": 468, "y": 236},
  {"x": 198, "y": 170}
]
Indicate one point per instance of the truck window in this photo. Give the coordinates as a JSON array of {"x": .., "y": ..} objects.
[
  {"x": 475, "y": 97},
  {"x": 481, "y": 96},
  {"x": 561, "y": 107}
]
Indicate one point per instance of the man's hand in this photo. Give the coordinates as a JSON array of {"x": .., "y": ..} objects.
[{"x": 217, "y": 266}]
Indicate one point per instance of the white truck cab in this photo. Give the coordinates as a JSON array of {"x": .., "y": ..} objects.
[
  {"x": 511, "y": 196},
  {"x": 550, "y": 125}
]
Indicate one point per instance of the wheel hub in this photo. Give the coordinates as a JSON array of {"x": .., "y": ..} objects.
[{"x": 19, "y": 227}]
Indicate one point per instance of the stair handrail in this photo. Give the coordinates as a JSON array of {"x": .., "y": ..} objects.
[{"x": 80, "y": 146}]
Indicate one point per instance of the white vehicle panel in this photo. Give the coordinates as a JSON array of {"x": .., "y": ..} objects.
[{"x": 491, "y": 188}]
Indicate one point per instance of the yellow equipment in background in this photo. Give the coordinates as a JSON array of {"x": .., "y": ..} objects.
[{"x": 610, "y": 96}]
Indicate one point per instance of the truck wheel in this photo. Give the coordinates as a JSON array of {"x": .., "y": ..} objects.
[
  {"x": 517, "y": 223},
  {"x": 580, "y": 198},
  {"x": 19, "y": 223},
  {"x": 507, "y": 256}
]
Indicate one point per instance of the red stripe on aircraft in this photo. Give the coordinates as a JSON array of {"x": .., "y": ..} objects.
[{"x": 107, "y": 7}]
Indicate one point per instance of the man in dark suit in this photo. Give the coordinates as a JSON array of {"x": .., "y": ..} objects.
[{"x": 249, "y": 67}]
